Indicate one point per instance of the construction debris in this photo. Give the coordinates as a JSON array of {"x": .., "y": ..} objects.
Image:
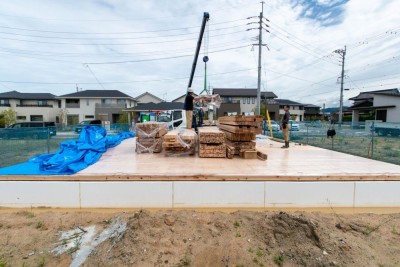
[
  {"x": 150, "y": 136},
  {"x": 211, "y": 143},
  {"x": 180, "y": 142},
  {"x": 240, "y": 132}
]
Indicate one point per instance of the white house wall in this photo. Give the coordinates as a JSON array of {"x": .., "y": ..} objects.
[
  {"x": 147, "y": 99},
  {"x": 48, "y": 113},
  {"x": 393, "y": 114}
]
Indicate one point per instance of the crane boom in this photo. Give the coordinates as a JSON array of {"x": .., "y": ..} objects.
[{"x": 206, "y": 17}]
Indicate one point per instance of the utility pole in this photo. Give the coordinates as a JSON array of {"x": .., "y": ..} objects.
[
  {"x": 260, "y": 44},
  {"x": 341, "y": 52}
]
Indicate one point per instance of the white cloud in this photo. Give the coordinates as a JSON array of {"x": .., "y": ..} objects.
[{"x": 295, "y": 43}]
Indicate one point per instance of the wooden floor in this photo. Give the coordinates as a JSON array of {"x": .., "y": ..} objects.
[{"x": 298, "y": 163}]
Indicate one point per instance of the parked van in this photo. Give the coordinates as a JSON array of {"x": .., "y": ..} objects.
[
  {"x": 175, "y": 118},
  {"x": 27, "y": 130}
]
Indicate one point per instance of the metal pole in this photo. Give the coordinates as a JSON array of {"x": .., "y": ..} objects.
[
  {"x": 341, "y": 89},
  {"x": 259, "y": 67}
]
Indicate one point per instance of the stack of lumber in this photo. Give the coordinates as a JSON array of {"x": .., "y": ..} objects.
[
  {"x": 180, "y": 142},
  {"x": 240, "y": 132},
  {"x": 150, "y": 136},
  {"x": 211, "y": 143}
]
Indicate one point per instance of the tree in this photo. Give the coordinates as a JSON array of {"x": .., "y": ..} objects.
[
  {"x": 123, "y": 118},
  {"x": 62, "y": 114},
  {"x": 8, "y": 117}
]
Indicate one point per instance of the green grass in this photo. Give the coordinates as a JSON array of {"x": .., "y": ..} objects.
[
  {"x": 236, "y": 224},
  {"x": 3, "y": 263},
  {"x": 279, "y": 259}
]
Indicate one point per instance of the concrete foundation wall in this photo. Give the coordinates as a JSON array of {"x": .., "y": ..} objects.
[{"x": 188, "y": 194}]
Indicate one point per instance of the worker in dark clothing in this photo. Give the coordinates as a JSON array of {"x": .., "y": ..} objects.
[
  {"x": 285, "y": 126},
  {"x": 201, "y": 116},
  {"x": 188, "y": 106}
]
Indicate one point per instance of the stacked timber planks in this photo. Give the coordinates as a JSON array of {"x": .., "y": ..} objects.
[
  {"x": 240, "y": 132},
  {"x": 150, "y": 136},
  {"x": 211, "y": 143},
  {"x": 180, "y": 142}
]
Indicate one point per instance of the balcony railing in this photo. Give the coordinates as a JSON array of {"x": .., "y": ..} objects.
[
  {"x": 5, "y": 105},
  {"x": 100, "y": 105},
  {"x": 34, "y": 105},
  {"x": 72, "y": 105}
]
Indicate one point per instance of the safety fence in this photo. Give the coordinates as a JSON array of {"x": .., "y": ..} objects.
[
  {"x": 18, "y": 145},
  {"x": 375, "y": 140}
]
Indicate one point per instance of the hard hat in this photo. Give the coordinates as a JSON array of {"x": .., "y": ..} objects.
[{"x": 190, "y": 90}]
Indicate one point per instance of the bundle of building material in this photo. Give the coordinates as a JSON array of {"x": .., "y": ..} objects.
[
  {"x": 240, "y": 132},
  {"x": 211, "y": 143},
  {"x": 180, "y": 142},
  {"x": 150, "y": 136}
]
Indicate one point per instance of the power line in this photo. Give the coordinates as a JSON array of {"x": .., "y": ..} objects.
[
  {"x": 112, "y": 44},
  {"x": 94, "y": 75},
  {"x": 125, "y": 82},
  {"x": 112, "y": 38},
  {"x": 156, "y": 59}
]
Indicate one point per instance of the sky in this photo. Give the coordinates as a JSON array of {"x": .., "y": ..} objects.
[{"x": 137, "y": 46}]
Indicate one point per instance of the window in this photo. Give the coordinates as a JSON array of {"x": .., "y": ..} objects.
[
  {"x": 36, "y": 118},
  {"x": 87, "y": 102},
  {"x": 57, "y": 119},
  {"x": 4, "y": 102},
  {"x": 244, "y": 100},
  {"x": 253, "y": 100},
  {"x": 177, "y": 114},
  {"x": 21, "y": 118},
  {"x": 42, "y": 102},
  {"x": 106, "y": 101},
  {"x": 121, "y": 101},
  {"x": 89, "y": 117},
  {"x": 248, "y": 100}
]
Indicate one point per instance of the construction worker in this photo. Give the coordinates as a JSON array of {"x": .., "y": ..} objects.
[
  {"x": 285, "y": 126},
  {"x": 188, "y": 106}
]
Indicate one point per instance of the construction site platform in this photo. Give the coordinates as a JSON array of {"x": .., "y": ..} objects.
[{"x": 298, "y": 163}]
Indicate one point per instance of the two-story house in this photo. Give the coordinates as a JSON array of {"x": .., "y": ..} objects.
[
  {"x": 312, "y": 112},
  {"x": 244, "y": 100},
  {"x": 385, "y": 104},
  {"x": 31, "y": 106},
  {"x": 148, "y": 98},
  {"x": 104, "y": 105},
  {"x": 296, "y": 109}
]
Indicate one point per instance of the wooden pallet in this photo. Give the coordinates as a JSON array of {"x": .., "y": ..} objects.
[
  {"x": 248, "y": 154},
  {"x": 212, "y": 150},
  {"x": 211, "y": 135},
  {"x": 239, "y": 129},
  {"x": 241, "y": 118},
  {"x": 238, "y": 137},
  {"x": 151, "y": 129},
  {"x": 237, "y": 146},
  {"x": 149, "y": 145}
]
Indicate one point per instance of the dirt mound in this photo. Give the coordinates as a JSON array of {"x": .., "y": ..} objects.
[{"x": 189, "y": 238}]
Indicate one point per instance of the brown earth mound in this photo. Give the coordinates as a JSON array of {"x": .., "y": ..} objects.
[{"x": 189, "y": 238}]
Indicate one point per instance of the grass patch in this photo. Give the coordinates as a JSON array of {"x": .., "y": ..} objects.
[
  {"x": 236, "y": 224},
  {"x": 39, "y": 225},
  {"x": 42, "y": 261},
  {"x": 394, "y": 231},
  {"x": 279, "y": 259},
  {"x": 238, "y": 235},
  {"x": 3, "y": 264}
]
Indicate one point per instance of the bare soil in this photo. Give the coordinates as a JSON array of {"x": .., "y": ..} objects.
[{"x": 192, "y": 238}]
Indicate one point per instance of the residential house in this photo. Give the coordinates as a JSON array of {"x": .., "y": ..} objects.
[
  {"x": 312, "y": 112},
  {"x": 243, "y": 100},
  {"x": 105, "y": 105},
  {"x": 385, "y": 104},
  {"x": 148, "y": 98},
  {"x": 296, "y": 109},
  {"x": 31, "y": 106},
  {"x": 181, "y": 99}
]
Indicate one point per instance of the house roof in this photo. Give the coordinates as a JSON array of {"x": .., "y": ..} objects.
[
  {"x": 150, "y": 94},
  {"x": 27, "y": 96},
  {"x": 242, "y": 92},
  {"x": 288, "y": 102},
  {"x": 97, "y": 94},
  {"x": 156, "y": 106},
  {"x": 182, "y": 96},
  {"x": 311, "y": 106},
  {"x": 370, "y": 94}
]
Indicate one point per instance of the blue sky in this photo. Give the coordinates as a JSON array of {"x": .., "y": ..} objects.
[{"x": 139, "y": 46}]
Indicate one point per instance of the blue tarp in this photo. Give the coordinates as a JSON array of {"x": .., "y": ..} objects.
[{"x": 73, "y": 156}]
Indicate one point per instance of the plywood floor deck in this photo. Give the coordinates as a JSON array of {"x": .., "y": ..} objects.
[{"x": 298, "y": 163}]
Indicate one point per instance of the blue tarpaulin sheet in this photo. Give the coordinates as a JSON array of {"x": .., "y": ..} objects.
[{"x": 73, "y": 155}]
